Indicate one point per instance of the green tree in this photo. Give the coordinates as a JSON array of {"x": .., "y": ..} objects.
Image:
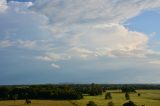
[
  {"x": 15, "y": 97},
  {"x": 127, "y": 96},
  {"x": 108, "y": 95},
  {"x": 95, "y": 90},
  {"x": 129, "y": 103},
  {"x": 91, "y": 103},
  {"x": 128, "y": 89},
  {"x": 4, "y": 92},
  {"x": 110, "y": 103}
]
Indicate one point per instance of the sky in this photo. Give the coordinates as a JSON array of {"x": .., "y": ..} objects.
[{"x": 79, "y": 41}]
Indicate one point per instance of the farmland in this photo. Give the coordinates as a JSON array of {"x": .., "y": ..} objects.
[{"x": 148, "y": 98}]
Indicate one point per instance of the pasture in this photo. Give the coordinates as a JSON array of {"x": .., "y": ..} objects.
[{"x": 148, "y": 98}]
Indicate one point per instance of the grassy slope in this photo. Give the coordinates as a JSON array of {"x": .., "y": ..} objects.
[{"x": 148, "y": 97}]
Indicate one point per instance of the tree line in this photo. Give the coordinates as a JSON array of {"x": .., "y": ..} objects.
[
  {"x": 40, "y": 92},
  {"x": 55, "y": 92},
  {"x": 65, "y": 91}
]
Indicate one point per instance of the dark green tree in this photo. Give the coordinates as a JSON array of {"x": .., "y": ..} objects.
[
  {"x": 128, "y": 89},
  {"x": 91, "y": 103},
  {"x": 95, "y": 90},
  {"x": 127, "y": 96},
  {"x": 4, "y": 92},
  {"x": 110, "y": 103},
  {"x": 129, "y": 103},
  {"x": 108, "y": 95}
]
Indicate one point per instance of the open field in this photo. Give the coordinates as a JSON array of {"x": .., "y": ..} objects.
[{"x": 148, "y": 97}]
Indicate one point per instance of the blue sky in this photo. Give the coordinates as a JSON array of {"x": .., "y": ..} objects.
[{"x": 57, "y": 41}]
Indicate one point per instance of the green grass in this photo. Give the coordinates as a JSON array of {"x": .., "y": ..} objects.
[
  {"x": 148, "y": 97},
  {"x": 35, "y": 103}
]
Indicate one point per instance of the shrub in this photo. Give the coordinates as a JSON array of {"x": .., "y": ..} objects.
[
  {"x": 108, "y": 95},
  {"x": 130, "y": 103},
  {"x": 110, "y": 103},
  {"x": 127, "y": 96},
  {"x": 91, "y": 103}
]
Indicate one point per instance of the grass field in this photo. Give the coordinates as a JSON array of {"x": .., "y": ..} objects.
[{"x": 148, "y": 97}]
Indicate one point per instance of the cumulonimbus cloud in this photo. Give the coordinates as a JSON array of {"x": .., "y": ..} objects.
[{"x": 95, "y": 25}]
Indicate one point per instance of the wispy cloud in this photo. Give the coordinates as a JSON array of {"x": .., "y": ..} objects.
[
  {"x": 55, "y": 66},
  {"x": 53, "y": 57},
  {"x": 93, "y": 11},
  {"x": 27, "y": 44}
]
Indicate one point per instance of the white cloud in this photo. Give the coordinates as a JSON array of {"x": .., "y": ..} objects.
[
  {"x": 43, "y": 58},
  {"x": 63, "y": 12},
  {"x": 81, "y": 53},
  {"x": 108, "y": 40},
  {"x": 26, "y": 44},
  {"x": 55, "y": 66},
  {"x": 53, "y": 57},
  {"x": 3, "y": 5},
  {"x": 77, "y": 30},
  {"x": 96, "y": 26},
  {"x": 112, "y": 36},
  {"x": 5, "y": 43},
  {"x": 20, "y": 7},
  {"x": 155, "y": 62},
  {"x": 84, "y": 28},
  {"x": 153, "y": 34}
]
